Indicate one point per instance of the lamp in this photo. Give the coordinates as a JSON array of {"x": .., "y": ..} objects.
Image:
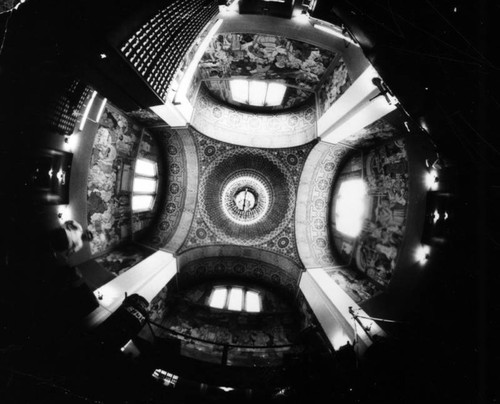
[{"x": 422, "y": 254}]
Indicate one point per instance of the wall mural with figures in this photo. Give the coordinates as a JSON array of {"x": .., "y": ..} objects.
[
  {"x": 123, "y": 258},
  {"x": 109, "y": 213},
  {"x": 187, "y": 312},
  {"x": 299, "y": 65},
  {"x": 333, "y": 86},
  {"x": 374, "y": 252}
]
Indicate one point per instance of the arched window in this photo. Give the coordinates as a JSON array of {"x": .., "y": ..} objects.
[
  {"x": 235, "y": 298},
  {"x": 145, "y": 185},
  {"x": 257, "y": 93},
  {"x": 350, "y": 207}
]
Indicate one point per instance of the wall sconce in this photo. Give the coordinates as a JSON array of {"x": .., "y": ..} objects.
[
  {"x": 431, "y": 180},
  {"x": 71, "y": 141},
  {"x": 435, "y": 216},
  {"x": 63, "y": 213},
  {"x": 61, "y": 176},
  {"x": 422, "y": 254},
  {"x": 386, "y": 92}
]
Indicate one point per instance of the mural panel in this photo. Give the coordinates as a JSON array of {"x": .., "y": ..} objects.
[
  {"x": 122, "y": 259},
  {"x": 109, "y": 212},
  {"x": 374, "y": 252},
  {"x": 333, "y": 87},
  {"x": 108, "y": 208},
  {"x": 266, "y": 57},
  {"x": 318, "y": 235}
]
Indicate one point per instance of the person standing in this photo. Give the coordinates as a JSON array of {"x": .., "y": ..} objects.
[{"x": 69, "y": 238}]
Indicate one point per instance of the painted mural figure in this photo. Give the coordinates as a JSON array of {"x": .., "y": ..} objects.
[
  {"x": 266, "y": 57},
  {"x": 109, "y": 216},
  {"x": 374, "y": 252}
]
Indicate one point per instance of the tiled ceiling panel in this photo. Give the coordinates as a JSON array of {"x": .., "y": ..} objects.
[{"x": 246, "y": 196}]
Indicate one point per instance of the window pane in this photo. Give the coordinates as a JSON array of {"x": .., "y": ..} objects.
[
  {"x": 252, "y": 301},
  {"x": 235, "y": 299},
  {"x": 350, "y": 207},
  {"x": 218, "y": 298},
  {"x": 257, "y": 93},
  {"x": 144, "y": 185},
  {"x": 275, "y": 94},
  {"x": 142, "y": 202},
  {"x": 239, "y": 90},
  {"x": 145, "y": 167}
]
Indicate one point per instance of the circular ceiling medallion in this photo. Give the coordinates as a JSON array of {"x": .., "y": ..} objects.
[{"x": 246, "y": 196}]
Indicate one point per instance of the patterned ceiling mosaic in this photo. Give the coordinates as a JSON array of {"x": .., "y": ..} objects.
[
  {"x": 318, "y": 212},
  {"x": 333, "y": 86},
  {"x": 281, "y": 170},
  {"x": 176, "y": 183},
  {"x": 214, "y": 118},
  {"x": 241, "y": 268},
  {"x": 298, "y": 65}
]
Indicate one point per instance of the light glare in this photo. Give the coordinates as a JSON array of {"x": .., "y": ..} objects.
[
  {"x": 87, "y": 110},
  {"x": 275, "y": 94},
  {"x": 422, "y": 254},
  {"x": 436, "y": 216},
  {"x": 431, "y": 180},
  {"x": 257, "y": 93},
  {"x": 101, "y": 109},
  {"x": 334, "y": 32},
  {"x": 142, "y": 202},
  {"x": 235, "y": 299},
  {"x": 350, "y": 207},
  {"x": 144, "y": 185},
  {"x": 252, "y": 302},
  {"x": 218, "y": 299},
  {"x": 145, "y": 167},
  {"x": 239, "y": 90}
]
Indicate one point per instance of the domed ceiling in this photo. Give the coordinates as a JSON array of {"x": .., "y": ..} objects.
[
  {"x": 246, "y": 197},
  {"x": 264, "y": 72}
]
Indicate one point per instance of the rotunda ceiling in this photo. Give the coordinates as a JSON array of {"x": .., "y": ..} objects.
[
  {"x": 246, "y": 196},
  {"x": 253, "y": 189}
]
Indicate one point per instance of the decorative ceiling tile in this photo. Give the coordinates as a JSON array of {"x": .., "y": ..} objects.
[
  {"x": 246, "y": 196},
  {"x": 319, "y": 197},
  {"x": 176, "y": 184},
  {"x": 230, "y": 124},
  {"x": 239, "y": 268}
]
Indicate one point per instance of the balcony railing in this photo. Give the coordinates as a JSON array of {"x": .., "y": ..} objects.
[{"x": 224, "y": 353}]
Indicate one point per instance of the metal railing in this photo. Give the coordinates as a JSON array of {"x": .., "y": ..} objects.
[{"x": 229, "y": 352}]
